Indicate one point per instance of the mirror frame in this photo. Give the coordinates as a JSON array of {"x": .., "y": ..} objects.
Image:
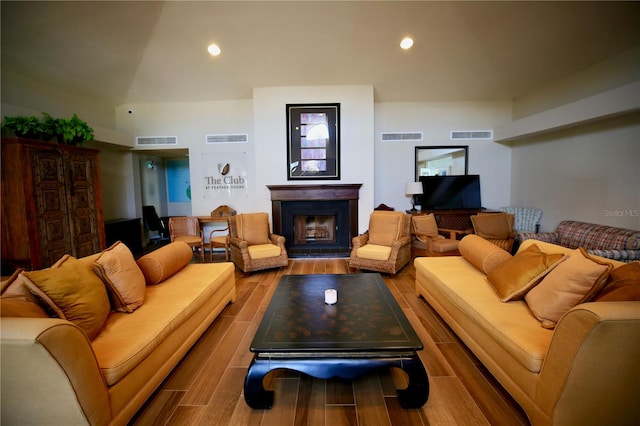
[{"x": 418, "y": 150}]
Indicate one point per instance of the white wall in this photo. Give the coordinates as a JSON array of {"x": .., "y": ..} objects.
[
  {"x": 586, "y": 173},
  {"x": 153, "y": 183},
  {"x": 264, "y": 120},
  {"x": 117, "y": 178},
  {"x": 616, "y": 71},
  {"x": 356, "y": 150},
  {"x": 190, "y": 122},
  {"x": 25, "y": 96},
  {"x": 395, "y": 161},
  {"x": 590, "y": 173}
]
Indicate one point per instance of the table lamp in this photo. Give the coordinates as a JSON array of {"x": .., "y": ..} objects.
[{"x": 413, "y": 189}]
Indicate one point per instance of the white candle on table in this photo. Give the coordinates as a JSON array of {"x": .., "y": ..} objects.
[{"x": 330, "y": 296}]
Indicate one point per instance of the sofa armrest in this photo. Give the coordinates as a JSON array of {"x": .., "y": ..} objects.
[
  {"x": 50, "y": 374},
  {"x": 591, "y": 373},
  {"x": 619, "y": 255}
]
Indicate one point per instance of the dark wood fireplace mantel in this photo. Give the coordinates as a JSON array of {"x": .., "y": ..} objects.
[
  {"x": 284, "y": 195},
  {"x": 315, "y": 192}
]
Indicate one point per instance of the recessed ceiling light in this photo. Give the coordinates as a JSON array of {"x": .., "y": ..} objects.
[
  {"x": 406, "y": 43},
  {"x": 214, "y": 49}
]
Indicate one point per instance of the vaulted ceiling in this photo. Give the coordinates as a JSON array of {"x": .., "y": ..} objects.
[{"x": 154, "y": 51}]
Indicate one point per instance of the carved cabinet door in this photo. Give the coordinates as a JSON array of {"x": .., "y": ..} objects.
[
  {"x": 83, "y": 218},
  {"x": 52, "y": 213},
  {"x": 65, "y": 201}
]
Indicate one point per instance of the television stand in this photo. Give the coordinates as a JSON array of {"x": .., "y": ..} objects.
[{"x": 457, "y": 221}]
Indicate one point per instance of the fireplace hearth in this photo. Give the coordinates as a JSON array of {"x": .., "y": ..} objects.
[{"x": 316, "y": 220}]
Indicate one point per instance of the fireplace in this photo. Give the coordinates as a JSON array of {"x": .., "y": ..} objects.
[
  {"x": 316, "y": 220},
  {"x": 316, "y": 228}
]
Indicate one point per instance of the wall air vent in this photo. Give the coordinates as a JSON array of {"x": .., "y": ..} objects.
[
  {"x": 471, "y": 134},
  {"x": 156, "y": 140},
  {"x": 230, "y": 138},
  {"x": 400, "y": 136}
]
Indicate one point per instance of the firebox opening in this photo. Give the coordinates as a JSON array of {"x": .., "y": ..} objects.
[{"x": 310, "y": 229}]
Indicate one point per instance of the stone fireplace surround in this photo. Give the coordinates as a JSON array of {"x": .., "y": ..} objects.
[{"x": 340, "y": 200}]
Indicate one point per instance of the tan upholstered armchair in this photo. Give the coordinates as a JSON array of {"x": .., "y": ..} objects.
[
  {"x": 386, "y": 247},
  {"x": 496, "y": 228},
  {"x": 253, "y": 246},
  {"x": 426, "y": 239}
]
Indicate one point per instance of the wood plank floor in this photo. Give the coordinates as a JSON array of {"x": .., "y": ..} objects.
[{"x": 206, "y": 387}]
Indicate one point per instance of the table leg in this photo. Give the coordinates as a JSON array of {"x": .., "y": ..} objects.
[
  {"x": 417, "y": 392},
  {"x": 414, "y": 396},
  {"x": 255, "y": 395}
]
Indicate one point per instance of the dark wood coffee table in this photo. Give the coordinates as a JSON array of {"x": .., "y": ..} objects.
[{"x": 363, "y": 331}]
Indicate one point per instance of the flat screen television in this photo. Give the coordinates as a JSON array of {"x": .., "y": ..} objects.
[{"x": 450, "y": 192}]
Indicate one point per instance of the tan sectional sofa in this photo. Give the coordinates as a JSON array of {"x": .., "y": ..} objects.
[
  {"x": 55, "y": 372},
  {"x": 586, "y": 371}
]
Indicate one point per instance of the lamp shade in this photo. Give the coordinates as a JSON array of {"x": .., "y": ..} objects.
[{"x": 413, "y": 188}]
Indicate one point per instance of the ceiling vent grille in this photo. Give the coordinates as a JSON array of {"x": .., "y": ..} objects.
[
  {"x": 471, "y": 134},
  {"x": 156, "y": 140},
  {"x": 400, "y": 136},
  {"x": 229, "y": 138}
]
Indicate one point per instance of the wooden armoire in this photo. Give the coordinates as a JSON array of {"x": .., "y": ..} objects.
[{"x": 51, "y": 203}]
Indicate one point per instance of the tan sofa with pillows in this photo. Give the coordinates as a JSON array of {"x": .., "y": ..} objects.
[
  {"x": 88, "y": 340},
  {"x": 558, "y": 328}
]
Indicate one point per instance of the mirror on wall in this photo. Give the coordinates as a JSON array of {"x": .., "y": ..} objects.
[{"x": 442, "y": 160}]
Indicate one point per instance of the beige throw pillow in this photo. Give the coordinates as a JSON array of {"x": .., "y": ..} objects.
[
  {"x": 73, "y": 292},
  {"x": 572, "y": 282},
  {"x": 385, "y": 227},
  {"x": 124, "y": 280},
  {"x": 253, "y": 228},
  {"x": 9, "y": 281},
  {"x": 495, "y": 226},
  {"x": 425, "y": 225},
  {"x": 513, "y": 278}
]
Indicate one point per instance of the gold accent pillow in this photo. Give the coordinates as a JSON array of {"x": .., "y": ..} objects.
[
  {"x": 21, "y": 306},
  {"x": 482, "y": 254},
  {"x": 513, "y": 278},
  {"x": 623, "y": 284},
  {"x": 572, "y": 282},
  {"x": 73, "y": 292},
  {"x": 124, "y": 281}
]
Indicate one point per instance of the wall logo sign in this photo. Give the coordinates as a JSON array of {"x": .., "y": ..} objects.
[
  {"x": 225, "y": 174},
  {"x": 224, "y": 168}
]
